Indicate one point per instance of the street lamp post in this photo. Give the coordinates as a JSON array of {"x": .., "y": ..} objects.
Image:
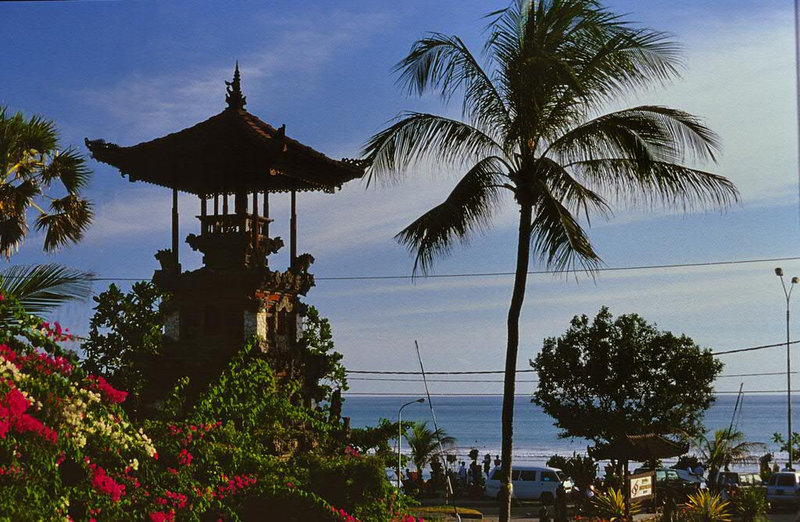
[
  {"x": 787, "y": 292},
  {"x": 400, "y": 435}
]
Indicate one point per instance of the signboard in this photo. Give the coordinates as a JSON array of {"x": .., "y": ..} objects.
[{"x": 641, "y": 486}]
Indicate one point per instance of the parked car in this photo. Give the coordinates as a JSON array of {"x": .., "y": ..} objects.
[
  {"x": 783, "y": 488},
  {"x": 734, "y": 479},
  {"x": 531, "y": 482},
  {"x": 669, "y": 480}
]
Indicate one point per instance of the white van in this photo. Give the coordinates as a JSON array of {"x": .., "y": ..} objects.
[{"x": 530, "y": 482}]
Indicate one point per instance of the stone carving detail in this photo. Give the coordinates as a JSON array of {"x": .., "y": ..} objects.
[
  {"x": 167, "y": 260},
  {"x": 289, "y": 282},
  {"x": 302, "y": 263}
]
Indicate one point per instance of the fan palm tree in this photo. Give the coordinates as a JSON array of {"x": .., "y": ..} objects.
[
  {"x": 530, "y": 129},
  {"x": 31, "y": 164},
  {"x": 426, "y": 443},
  {"x": 724, "y": 448},
  {"x": 41, "y": 288}
]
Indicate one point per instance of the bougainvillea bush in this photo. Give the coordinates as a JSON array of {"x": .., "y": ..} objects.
[
  {"x": 241, "y": 451},
  {"x": 66, "y": 448}
]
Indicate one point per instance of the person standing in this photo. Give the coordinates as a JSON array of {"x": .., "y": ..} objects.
[
  {"x": 462, "y": 474},
  {"x": 487, "y": 463},
  {"x": 560, "y": 514}
]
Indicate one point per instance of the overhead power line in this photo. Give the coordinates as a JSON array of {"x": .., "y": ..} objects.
[
  {"x": 544, "y": 272},
  {"x": 528, "y": 370},
  {"x": 402, "y": 379},
  {"x": 405, "y": 394},
  {"x": 493, "y": 274}
]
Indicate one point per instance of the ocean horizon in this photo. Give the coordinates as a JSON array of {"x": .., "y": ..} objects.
[{"x": 474, "y": 421}]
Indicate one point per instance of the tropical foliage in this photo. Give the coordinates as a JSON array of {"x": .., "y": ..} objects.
[
  {"x": 779, "y": 439},
  {"x": 41, "y": 288},
  {"x": 126, "y": 345},
  {"x": 37, "y": 174},
  {"x": 242, "y": 449},
  {"x": 611, "y": 506},
  {"x": 725, "y": 447},
  {"x": 426, "y": 443},
  {"x": 530, "y": 131},
  {"x": 608, "y": 377},
  {"x": 125, "y": 337},
  {"x": 750, "y": 504},
  {"x": 705, "y": 506},
  {"x": 582, "y": 470}
]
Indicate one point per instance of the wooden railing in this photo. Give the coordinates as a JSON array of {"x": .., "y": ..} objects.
[{"x": 234, "y": 224}]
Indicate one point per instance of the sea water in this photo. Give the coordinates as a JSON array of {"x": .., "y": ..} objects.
[{"x": 474, "y": 421}]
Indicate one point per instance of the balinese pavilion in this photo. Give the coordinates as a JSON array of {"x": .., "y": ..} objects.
[{"x": 231, "y": 156}]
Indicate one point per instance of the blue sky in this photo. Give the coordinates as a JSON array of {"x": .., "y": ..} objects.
[{"x": 132, "y": 71}]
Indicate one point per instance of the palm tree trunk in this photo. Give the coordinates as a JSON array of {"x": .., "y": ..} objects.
[{"x": 509, "y": 387}]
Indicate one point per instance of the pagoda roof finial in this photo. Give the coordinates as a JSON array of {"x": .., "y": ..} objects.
[{"x": 234, "y": 96}]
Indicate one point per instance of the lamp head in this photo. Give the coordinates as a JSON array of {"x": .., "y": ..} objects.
[
  {"x": 779, "y": 272},
  {"x": 795, "y": 280}
]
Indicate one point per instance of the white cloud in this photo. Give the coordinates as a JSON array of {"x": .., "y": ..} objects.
[{"x": 292, "y": 51}]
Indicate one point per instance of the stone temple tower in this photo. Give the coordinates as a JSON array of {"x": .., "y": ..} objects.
[{"x": 232, "y": 162}]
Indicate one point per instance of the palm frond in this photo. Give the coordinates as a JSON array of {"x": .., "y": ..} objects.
[
  {"x": 469, "y": 208},
  {"x": 41, "y": 288},
  {"x": 419, "y": 137},
  {"x": 644, "y": 134},
  {"x": 68, "y": 166},
  {"x": 70, "y": 218},
  {"x": 445, "y": 63},
  {"x": 557, "y": 238},
  {"x": 576, "y": 197},
  {"x": 667, "y": 184}
]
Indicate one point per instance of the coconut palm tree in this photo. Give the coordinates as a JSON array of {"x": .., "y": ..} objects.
[
  {"x": 724, "y": 448},
  {"x": 531, "y": 130},
  {"x": 40, "y": 288},
  {"x": 426, "y": 443},
  {"x": 31, "y": 166}
]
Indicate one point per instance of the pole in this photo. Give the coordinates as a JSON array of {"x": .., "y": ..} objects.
[
  {"x": 175, "y": 225},
  {"x": 399, "y": 441},
  {"x": 797, "y": 84},
  {"x": 789, "y": 384},
  {"x": 400, "y": 434},
  {"x": 438, "y": 438},
  {"x": 293, "y": 230},
  {"x": 788, "y": 295}
]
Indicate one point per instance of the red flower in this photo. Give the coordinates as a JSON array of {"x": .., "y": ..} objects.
[
  {"x": 102, "y": 483},
  {"x": 110, "y": 393},
  {"x": 184, "y": 457}
]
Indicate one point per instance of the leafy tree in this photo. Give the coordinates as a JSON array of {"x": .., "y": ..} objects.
[
  {"x": 778, "y": 439},
  {"x": 425, "y": 443},
  {"x": 582, "y": 470},
  {"x": 31, "y": 164},
  {"x": 375, "y": 441},
  {"x": 725, "y": 447},
  {"x": 41, "y": 288},
  {"x": 317, "y": 359},
  {"x": 125, "y": 338},
  {"x": 610, "y": 377},
  {"x": 530, "y": 131}
]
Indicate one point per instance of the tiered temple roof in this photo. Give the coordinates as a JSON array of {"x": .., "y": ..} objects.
[{"x": 233, "y": 151}]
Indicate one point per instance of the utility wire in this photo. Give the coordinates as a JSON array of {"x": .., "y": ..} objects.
[
  {"x": 393, "y": 379},
  {"x": 527, "y": 370},
  {"x": 492, "y": 274},
  {"x": 402, "y": 394}
]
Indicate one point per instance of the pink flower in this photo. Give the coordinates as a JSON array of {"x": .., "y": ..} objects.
[
  {"x": 110, "y": 393},
  {"x": 184, "y": 457},
  {"x": 103, "y": 483}
]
